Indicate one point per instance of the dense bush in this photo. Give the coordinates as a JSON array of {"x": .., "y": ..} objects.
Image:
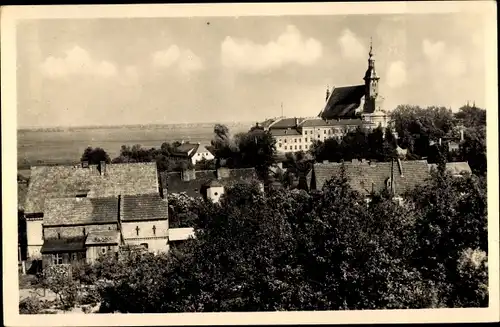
[{"x": 290, "y": 250}]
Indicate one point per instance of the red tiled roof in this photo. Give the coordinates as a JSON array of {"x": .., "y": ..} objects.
[
  {"x": 343, "y": 102},
  {"x": 48, "y": 182},
  {"x": 76, "y": 211},
  {"x": 143, "y": 207},
  {"x": 363, "y": 177}
]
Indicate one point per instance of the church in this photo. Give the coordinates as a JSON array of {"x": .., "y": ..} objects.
[{"x": 347, "y": 108}]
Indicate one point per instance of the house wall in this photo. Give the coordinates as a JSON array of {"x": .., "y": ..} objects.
[
  {"x": 72, "y": 231},
  {"x": 34, "y": 233},
  {"x": 214, "y": 193},
  {"x": 67, "y": 258},
  {"x": 288, "y": 143},
  {"x": 95, "y": 251},
  {"x": 157, "y": 241},
  {"x": 200, "y": 155}
]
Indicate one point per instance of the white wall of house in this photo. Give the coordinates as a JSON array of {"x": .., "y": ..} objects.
[
  {"x": 34, "y": 233},
  {"x": 214, "y": 193},
  {"x": 142, "y": 232},
  {"x": 200, "y": 155}
]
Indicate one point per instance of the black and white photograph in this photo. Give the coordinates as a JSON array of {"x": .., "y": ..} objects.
[{"x": 248, "y": 159}]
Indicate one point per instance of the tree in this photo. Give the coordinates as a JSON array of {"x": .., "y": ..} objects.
[
  {"x": 94, "y": 156},
  {"x": 451, "y": 218},
  {"x": 258, "y": 149},
  {"x": 471, "y": 116}
]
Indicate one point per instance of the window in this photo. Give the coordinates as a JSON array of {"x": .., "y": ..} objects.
[
  {"x": 305, "y": 146},
  {"x": 59, "y": 236},
  {"x": 324, "y": 131},
  {"x": 295, "y": 147},
  {"x": 137, "y": 230},
  {"x": 319, "y": 136},
  {"x": 279, "y": 145},
  {"x": 295, "y": 140},
  {"x": 329, "y": 131},
  {"x": 285, "y": 142},
  {"x": 300, "y": 140},
  {"x": 103, "y": 250},
  {"x": 83, "y": 230},
  {"x": 154, "y": 230},
  {"x": 300, "y": 147},
  {"x": 285, "y": 147},
  {"x": 57, "y": 259},
  {"x": 109, "y": 248},
  {"x": 306, "y": 139},
  {"x": 74, "y": 257}
]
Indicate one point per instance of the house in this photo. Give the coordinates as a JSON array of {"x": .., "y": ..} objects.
[
  {"x": 82, "y": 229},
  {"x": 185, "y": 151},
  {"x": 368, "y": 177},
  {"x": 456, "y": 169},
  {"x": 201, "y": 152},
  {"x": 144, "y": 221},
  {"x": 83, "y": 181},
  {"x": 347, "y": 108},
  {"x": 205, "y": 183}
]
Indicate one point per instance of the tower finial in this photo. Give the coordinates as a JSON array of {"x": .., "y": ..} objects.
[{"x": 371, "y": 47}]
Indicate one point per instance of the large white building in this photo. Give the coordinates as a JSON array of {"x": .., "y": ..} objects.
[{"x": 346, "y": 109}]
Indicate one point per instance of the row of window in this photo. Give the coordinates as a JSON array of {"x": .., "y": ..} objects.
[{"x": 292, "y": 147}]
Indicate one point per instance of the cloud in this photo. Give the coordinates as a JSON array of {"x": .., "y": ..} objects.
[
  {"x": 289, "y": 48},
  {"x": 443, "y": 60},
  {"x": 350, "y": 46},
  {"x": 434, "y": 51},
  {"x": 184, "y": 59},
  {"x": 396, "y": 74},
  {"x": 76, "y": 61}
]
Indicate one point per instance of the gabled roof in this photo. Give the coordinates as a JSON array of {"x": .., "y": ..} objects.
[
  {"x": 73, "y": 244},
  {"x": 143, "y": 207},
  {"x": 186, "y": 149},
  {"x": 77, "y": 211},
  {"x": 173, "y": 182},
  {"x": 48, "y": 182},
  {"x": 365, "y": 177},
  {"x": 343, "y": 102},
  {"x": 319, "y": 122}
]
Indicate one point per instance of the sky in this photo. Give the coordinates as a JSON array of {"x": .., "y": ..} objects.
[{"x": 120, "y": 71}]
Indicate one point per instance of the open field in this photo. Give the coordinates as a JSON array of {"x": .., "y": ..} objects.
[{"x": 58, "y": 146}]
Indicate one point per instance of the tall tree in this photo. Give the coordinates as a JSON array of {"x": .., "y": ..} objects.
[{"x": 94, "y": 156}]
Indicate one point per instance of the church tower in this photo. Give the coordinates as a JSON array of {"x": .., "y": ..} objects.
[
  {"x": 371, "y": 84},
  {"x": 372, "y": 115}
]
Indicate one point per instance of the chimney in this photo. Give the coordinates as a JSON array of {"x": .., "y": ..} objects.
[
  {"x": 222, "y": 172},
  {"x": 102, "y": 167},
  {"x": 85, "y": 164},
  {"x": 188, "y": 174}
]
